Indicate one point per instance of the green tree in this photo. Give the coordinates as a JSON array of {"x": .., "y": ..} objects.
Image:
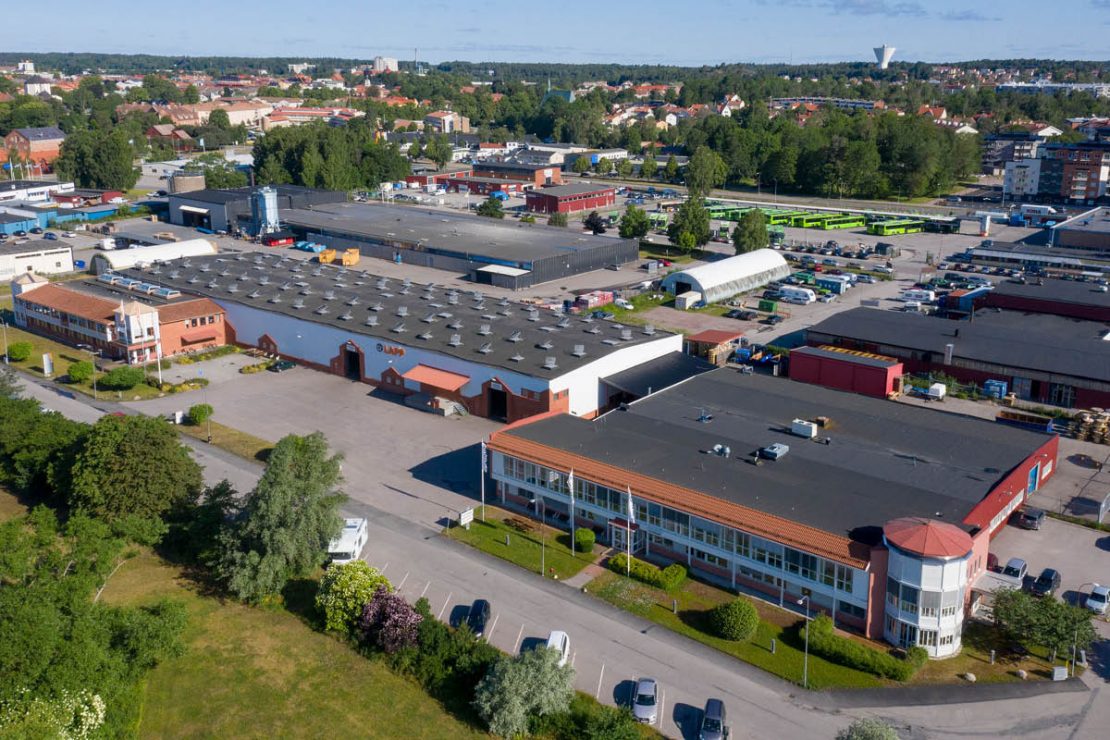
[
  {"x": 199, "y": 413},
  {"x": 345, "y": 589},
  {"x": 122, "y": 378},
  {"x": 595, "y": 223},
  {"x": 20, "y": 351},
  {"x": 734, "y": 620},
  {"x": 416, "y": 150},
  {"x": 132, "y": 467},
  {"x": 581, "y": 164},
  {"x": 532, "y": 684},
  {"x": 624, "y": 167},
  {"x": 690, "y": 227},
  {"x": 705, "y": 171},
  {"x": 670, "y": 170},
  {"x": 491, "y": 208},
  {"x": 634, "y": 223},
  {"x": 190, "y": 95},
  {"x": 286, "y": 522},
  {"x": 867, "y": 728},
  {"x": 439, "y": 150},
  {"x": 98, "y": 159},
  {"x": 81, "y": 371},
  {"x": 557, "y": 219},
  {"x": 648, "y": 167},
  {"x": 218, "y": 118},
  {"x": 604, "y": 166},
  {"x": 751, "y": 233},
  {"x": 218, "y": 172}
]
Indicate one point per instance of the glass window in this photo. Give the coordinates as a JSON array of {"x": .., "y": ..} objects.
[
  {"x": 930, "y": 603},
  {"x": 891, "y": 591},
  {"x": 909, "y": 599},
  {"x": 853, "y": 611},
  {"x": 927, "y": 638}
]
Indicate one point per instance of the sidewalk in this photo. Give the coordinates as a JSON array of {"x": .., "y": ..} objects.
[{"x": 584, "y": 576}]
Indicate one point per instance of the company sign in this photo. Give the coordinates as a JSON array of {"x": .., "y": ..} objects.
[{"x": 390, "y": 349}]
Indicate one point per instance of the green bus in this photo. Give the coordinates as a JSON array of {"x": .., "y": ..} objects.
[
  {"x": 810, "y": 220},
  {"x": 844, "y": 222},
  {"x": 658, "y": 220},
  {"x": 778, "y": 216},
  {"x": 896, "y": 226},
  {"x": 943, "y": 225}
]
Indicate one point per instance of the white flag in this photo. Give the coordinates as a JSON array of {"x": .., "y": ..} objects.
[
  {"x": 484, "y": 468},
  {"x": 570, "y": 485},
  {"x": 631, "y": 508}
]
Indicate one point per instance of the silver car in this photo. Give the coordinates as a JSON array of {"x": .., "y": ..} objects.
[{"x": 645, "y": 705}]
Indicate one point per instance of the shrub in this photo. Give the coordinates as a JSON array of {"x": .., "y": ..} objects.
[
  {"x": 390, "y": 622},
  {"x": 199, "y": 413},
  {"x": 20, "y": 351},
  {"x": 584, "y": 539},
  {"x": 824, "y": 641},
  {"x": 734, "y": 620},
  {"x": 868, "y": 728},
  {"x": 255, "y": 368},
  {"x": 122, "y": 378},
  {"x": 344, "y": 591},
  {"x": 668, "y": 578},
  {"x": 80, "y": 372}
]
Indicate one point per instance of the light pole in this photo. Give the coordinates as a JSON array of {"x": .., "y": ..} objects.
[
  {"x": 805, "y": 664},
  {"x": 200, "y": 374},
  {"x": 5, "y": 325},
  {"x": 543, "y": 536}
]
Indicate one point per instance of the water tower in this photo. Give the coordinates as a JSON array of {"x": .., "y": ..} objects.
[
  {"x": 883, "y": 55},
  {"x": 264, "y": 211}
]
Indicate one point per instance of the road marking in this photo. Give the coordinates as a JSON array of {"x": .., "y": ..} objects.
[
  {"x": 426, "y": 585},
  {"x": 489, "y": 632},
  {"x": 402, "y": 583},
  {"x": 384, "y": 568},
  {"x": 573, "y": 655},
  {"x": 597, "y": 694},
  {"x": 445, "y": 603},
  {"x": 662, "y": 708},
  {"x": 516, "y": 645}
]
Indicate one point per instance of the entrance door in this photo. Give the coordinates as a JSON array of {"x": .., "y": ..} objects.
[
  {"x": 618, "y": 536},
  {"x": 498, "y": 404},
  {"x": 351, "y": 365}
]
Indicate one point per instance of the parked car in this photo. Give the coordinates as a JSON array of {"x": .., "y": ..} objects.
[
  {"x": 713, "y": 721},
  {"x": 1099, "y": 599},
  {"x": 1015, "y": 571},
  {"x": 36, "y": 230},
  {"x": 645, "y": 705},
  {"x": 866, "y": 278},
  {"x": 281, "y": 366},
  {"x": 603, "y": 315},
  {"x": 827, "y": 298},
  {"x": 1047, "y": 583},
  {"x": 622, "y": 303},
  {"x": 478, "y": 617},
  {"x": 1029, "y": 518},
  {"x": 559, "y": 641},
  {"x": 50, "y": 236},
  {"x": 773, "y": 319},
  {"x": 741, "y": 314},
  {"x": 68, "y": 234},
  {"x": 20, "y": 232}
]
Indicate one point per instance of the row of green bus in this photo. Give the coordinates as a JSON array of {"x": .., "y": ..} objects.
[{"x": 876, "y": 224}]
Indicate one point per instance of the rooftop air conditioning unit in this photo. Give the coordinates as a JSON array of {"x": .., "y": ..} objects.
[
  {"x": 803, "y": 428},
  {"x": 775, "y": 451}
]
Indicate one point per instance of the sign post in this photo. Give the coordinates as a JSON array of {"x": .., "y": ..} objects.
[
  {"x": 466, "y": 516},
  {"x": 482, "y": 479},
  {"x": 47, "y": 364}
]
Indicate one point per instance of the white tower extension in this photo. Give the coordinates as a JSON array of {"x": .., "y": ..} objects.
[{"x": 883, "y": 55}]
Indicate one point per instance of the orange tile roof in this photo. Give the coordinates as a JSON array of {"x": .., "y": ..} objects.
[
  {"x": 72, "y": 302},
  {"x": 436, "y": 378},
  {"x": 182, "y": 310},
  {"x": 810, "y": 539}
]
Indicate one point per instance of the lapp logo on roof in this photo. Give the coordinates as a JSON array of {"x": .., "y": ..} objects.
[{"x": 389, "y": 349}]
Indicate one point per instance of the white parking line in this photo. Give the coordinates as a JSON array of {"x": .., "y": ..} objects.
[
  {"x": 426, "y": 585},
  {"x": 402, "y": 583},
  {"x": 445, "y": 603},
  {"x": 384, "y": 568},
  {"x": 489, "y": 632},
  {"x": 516, "y": 645},
  {"x": 573, "y": 655},
  {"x": 597, "y": 694},
  {"x": 662, "y": 707}
]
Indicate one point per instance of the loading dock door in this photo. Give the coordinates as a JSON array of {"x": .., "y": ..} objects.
[{"x": 498, "y": 404}]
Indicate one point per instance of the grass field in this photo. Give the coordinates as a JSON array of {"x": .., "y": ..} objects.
[
  {"x": 524, "y": 542},
  {"x": 230, "y": 439}
]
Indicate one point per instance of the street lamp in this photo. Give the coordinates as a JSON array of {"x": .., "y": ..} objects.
[
  {"x": 5, "y": 325},
  {"x": 543, "y": 536},
  {"x": 805, "y": 664},
  {"x": 95, "y": 352}
]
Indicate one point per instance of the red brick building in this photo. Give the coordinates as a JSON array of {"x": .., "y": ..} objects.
[
  {"x": 537, "y": 175},
  {"x": 484, "y": 185},
  {"x": 571, "y": 198},
  {"x": 846, "y": 370},
  {"x": 39, "y": 146}
]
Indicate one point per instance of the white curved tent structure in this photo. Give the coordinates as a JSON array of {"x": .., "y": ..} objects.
[
  {"x": 122, "y": 259},
  {"x": 719, "y": 281}
]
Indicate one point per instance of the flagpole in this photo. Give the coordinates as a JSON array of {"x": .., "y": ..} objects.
[
  {"x": 483, "y": 480},
  {"x": 570, "y": 487},
  {"x": 628, "y": 539}
]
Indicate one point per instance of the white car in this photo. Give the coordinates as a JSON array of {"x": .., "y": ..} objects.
[
  {"x": 1099, "y": 599},
  {"x": 622, "y": 303},
  {"x": 645, "y": 705},
  {"x": 559, "y": 641}
]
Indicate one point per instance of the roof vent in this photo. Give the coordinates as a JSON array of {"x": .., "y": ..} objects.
[
  {"x": 244, "y": 277},
  {"x": 515, "y": 337},
  {"x": 456, "y": 325},
  {"x": 550, "y": 363},
  {"x": 329, "y": 295},
  {"x": 453, "y": 299},
  {"x": 722, "y": 450},
  {"x": 225, "y": 272},
  {"x": 233, "y": 288},
  {"x": 517, "y": 357},
  {"x": 286, "y": 286},
  {"x": 322, "y": 310},
  {"x": 455, "y": 340},
  {"x": 347, "y": 316},
  {"x": 593, "y": 330},
  {"x": 381, "y": 284},
  {"x": 254, "y": 294},
  {"x": 352, "y": 301},
  {"x": 533, "y": 315},
  {"x": 399, "y": 328},
  {"x": 803, "y": 428},
  {"x": 579, "y": 350},
  {"x": 774, "y": 451},
  {"x": 377, "y": 306},
  {"x": 371, "y": 320},
  {"x": 649, "y": 330},
  {"x": 504, "y": 302},
  {"x": 299, "y": 303},
  {"x": 626, "y": 335},
  {"x": 402, "y": 310},
  {"x": 264, "y": 280},
  {"x": 485, "y": 330},
  {"x": 564, "y": 323},
  {"x": 406, "y": 283},
  {"x": 193, "y": 280},
  {"x": 425, "y": 335},
  {"x": 545, "y": 344},
  {"x": 486, "y": 348},
  {"x": 306, "y": 290},
  {"x": 430, "y": 318},
  {"x": 276, "y": 298}
]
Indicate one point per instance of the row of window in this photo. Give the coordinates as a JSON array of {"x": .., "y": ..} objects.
[
  {"x": 57, "y": 318},
  {"x": 774, "y": 555},
  {"x": 907, "y": 635},
  {"x": 911, "y": 600},
  {"x": 202, "y": 320}
]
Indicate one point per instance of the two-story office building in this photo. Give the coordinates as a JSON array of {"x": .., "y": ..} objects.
[{"x": 881, "y": 513}]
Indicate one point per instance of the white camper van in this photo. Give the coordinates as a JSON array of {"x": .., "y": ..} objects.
[
  {"x": 803, "y": 296},
  {"x": 348, "y": 545}
]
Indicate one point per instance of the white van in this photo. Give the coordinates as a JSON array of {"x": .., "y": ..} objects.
[
  {"x": 919, "y": 295},
  {"x": 347, "y": 547},
  {"x": 559, "y": 641},
  {"x": 802, "y": 296}
]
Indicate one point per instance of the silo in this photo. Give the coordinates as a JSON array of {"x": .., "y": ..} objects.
[{"x": 264, "y": 211}]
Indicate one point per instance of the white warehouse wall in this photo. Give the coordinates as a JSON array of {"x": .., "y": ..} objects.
[{"x": 584, "y": 383}]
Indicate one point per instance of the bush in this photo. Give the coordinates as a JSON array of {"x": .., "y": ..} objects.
[
  {"x": 584, "y": 539},
  {"x": 80, "y": 372},
  {"x": 199, "y": 413},
  {"x": 344, "y": 590},
  {"x": 868, "y": 728},
  {"x": 121, "y": 378},
  {"x": 735, "y": 620},
  {"x": 389, "y": 622},
  {"x": 824, "y": 641},
  {"x": 20, "y": 351},
  {"x": 256, "y": 367},
  {"x": 667, "y": 579}
]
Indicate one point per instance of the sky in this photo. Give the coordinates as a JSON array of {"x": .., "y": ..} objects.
[{"x": 682, "y": 32}]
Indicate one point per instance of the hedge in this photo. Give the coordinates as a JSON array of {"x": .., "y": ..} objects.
[
  {"x": 824, "y": 641},
  {"x": 734, "y": 620},
  {"x": 199, "y": 413},
  {"x": 256, "y": 367},
  {"x": 668, "y": 578},
  {"x": 584, "y": 539},
  {"x": 20, "y": 351},
  {"x": 122, "y": 378}
]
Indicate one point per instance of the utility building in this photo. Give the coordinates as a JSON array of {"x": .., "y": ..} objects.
[{"x": 719, "y": 281}]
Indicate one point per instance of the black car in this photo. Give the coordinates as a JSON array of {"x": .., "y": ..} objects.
[
  {"x": 741, "y": 314},
  {"x": 281, "y": 366},
  {"x": 773, "y": 319},
  {"x": 36, "y": 230},
  {"x": 604, "y": 315},
  {"x": 478, "y": 617},
  {"x": 1029, "y": 518},
  {"x": 1047, "y": 583},
  {"x": 21, "y": 232}
]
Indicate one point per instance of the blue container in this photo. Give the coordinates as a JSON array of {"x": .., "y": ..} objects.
[{"x": 995, "y": 388}]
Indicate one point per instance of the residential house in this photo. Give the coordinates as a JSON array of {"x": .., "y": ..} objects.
[
  {"x": 167, "y": 133},
  {"x": 446, "y": 122},
  {"x": 39, "y": 146}
]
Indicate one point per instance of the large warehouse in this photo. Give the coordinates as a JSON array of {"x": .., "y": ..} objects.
[
  {"x": 1079, "y": 300},
  {"x": 494, "y": 358},
  {"x": 121, "y": 259},
  {"x": 881, "y": 512},
  {"x": 1044, "y": 358},
  {"x": 38, "y": 255},
  {"x": 719, "y": 281},
  {"x": 573, "y": 198},
  {"x": 230, "y": 210},
  {"x": 492, "y": 252}
]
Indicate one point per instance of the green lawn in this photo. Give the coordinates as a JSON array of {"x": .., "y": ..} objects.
[
  {"x": 233, "y": 440},
  {"x": 694, "y": 601},
  {"x": 255, "y": 672},
  {"x": 524, "y": 542}
]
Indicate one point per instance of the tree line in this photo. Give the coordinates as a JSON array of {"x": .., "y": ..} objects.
[{"x": 320, "y": 156}]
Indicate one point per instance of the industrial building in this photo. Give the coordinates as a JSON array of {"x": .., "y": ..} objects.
[
  {"x": 121, "y": 259},
  {"x": 488, "y": 251},
  {"x": 1039, "y": 357},
  {"x": 719, "y": 281},
  {"x": 38, "y": 255},
  {"x": 121, "y": 318},
  {"x": 1087, "y": 231},
  {"x": 1073, "y": 298},
  {"x": 882, "y": 513},
  {"x": 534, "y": 175},
  {"x": 230, "y": 210},
  {"x": 31, "y": 191},
  {"x": 573, "y": 198},
  {"x": 846, "y": 370},
  {"x": 443, "y": 348},
  {"x": 1055, "y": 260}
]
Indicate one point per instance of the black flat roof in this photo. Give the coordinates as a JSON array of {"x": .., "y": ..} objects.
[
  {"x": 496, "y": 332},
  {"x": 1014, "y": 339},
  {"x": 574, "y": 188},
  {"x": 501, "y": 242},
  {"x": 223, "y": 197},
  {"x": 33, "y": 245},
  {"x": 1064, "y": 291},
  {"x": 885, "y": 460},
  {"x": 658, "y": 374}
]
